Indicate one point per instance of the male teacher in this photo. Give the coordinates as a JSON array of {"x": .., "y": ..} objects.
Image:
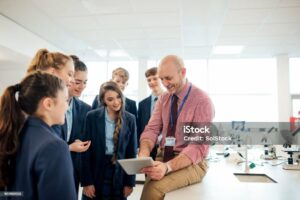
[{"x": 178, "y": 163}]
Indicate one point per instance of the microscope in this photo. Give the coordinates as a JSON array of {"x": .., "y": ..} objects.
[
  {"x": 293, "y": 160},
  {"x": 294, "y": 155},
  {"x": 269, "y": 148}
]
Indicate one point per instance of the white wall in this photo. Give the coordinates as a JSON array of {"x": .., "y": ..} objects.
[
  {"x": 20, "y": 40},
  {"x": 11, "y": 74},
  {"x": 17, "y": 47}
]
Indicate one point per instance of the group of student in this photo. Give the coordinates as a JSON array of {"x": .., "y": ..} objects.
[
  {"x": 45, "y": 105},
  {"x": 50, "y": 141}
]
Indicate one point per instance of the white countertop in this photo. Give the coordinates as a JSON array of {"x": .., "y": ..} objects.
[{"x": 220, "y": 183}]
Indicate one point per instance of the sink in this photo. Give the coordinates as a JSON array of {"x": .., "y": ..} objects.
[{"x": 254, "y": 178}]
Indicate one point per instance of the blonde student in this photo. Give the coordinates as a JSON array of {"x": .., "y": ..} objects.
[
  {"x": 62, "y": 66},
  {"x": 33, "y": 159},
  {"x": 55, "y": 63}
]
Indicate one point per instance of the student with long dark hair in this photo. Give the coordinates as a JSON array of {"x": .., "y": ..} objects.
[
  {"x": 76, "y": 114},
  {"x": 33, "y": 159},
  {"x": 112, "y": 132}
]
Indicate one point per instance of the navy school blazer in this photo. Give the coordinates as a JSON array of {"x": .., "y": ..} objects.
[
  {"x": 92, "y": 159},
  {"x": 79, "y": 111},
  {"x": 144, "y": 114},
  {"x": 130, "y": 105},
  {"x": 43, "y": 167}
]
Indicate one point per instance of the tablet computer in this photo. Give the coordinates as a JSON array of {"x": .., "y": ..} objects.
[{"x": 134, "y": 165}]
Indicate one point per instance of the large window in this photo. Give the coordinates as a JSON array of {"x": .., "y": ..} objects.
[
  {"x": 97, "y": 74},
  {"x": 197, "y": 73},
  {"x": 243, "y": 89},
  {"x": 152, "y": 63},
  {"x": 296, "y": 105},
  {"x": 295, "y": 85},
  {"x": 100, "y": 72}
]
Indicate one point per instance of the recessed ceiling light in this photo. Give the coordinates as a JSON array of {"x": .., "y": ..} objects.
[
  {"x": 118, "y": 53},
  {"x": 228, "y": 49}
]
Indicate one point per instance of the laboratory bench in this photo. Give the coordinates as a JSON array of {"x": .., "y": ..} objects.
[{"x": 221, "y": 183}]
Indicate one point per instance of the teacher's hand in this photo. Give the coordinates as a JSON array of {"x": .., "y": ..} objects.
[{"x": 157, "y": 171}]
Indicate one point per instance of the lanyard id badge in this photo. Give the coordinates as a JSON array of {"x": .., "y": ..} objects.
[{"x": 170, "y": 141}]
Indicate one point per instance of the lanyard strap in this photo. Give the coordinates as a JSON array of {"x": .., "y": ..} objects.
[{"x": 181, "y": 106}]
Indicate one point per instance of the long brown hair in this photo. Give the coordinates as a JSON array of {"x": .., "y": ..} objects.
[
  {"x": 112, "y": 86},
  {"x": 44, "y": 59},
  {"x": 30, "y": 91}
]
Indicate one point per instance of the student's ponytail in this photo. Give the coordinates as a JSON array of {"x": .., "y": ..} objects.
[
  {"x": 11, "y": 122},
  {"x": 15, "y": 102},
  {"x": 44, "y": 59}
]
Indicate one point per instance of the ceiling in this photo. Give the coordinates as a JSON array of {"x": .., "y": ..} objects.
[{"x": 150, "y": 29}]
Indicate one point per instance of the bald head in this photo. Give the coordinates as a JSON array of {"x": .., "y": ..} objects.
[
  {"x": 172, "y": 73},
  {"x": 177, "y": 61}
]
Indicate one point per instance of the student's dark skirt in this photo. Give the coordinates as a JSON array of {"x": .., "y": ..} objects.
[{"x": 107, "y": 191}]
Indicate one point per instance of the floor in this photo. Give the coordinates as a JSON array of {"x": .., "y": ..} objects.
[{"x": 136, "y": 194}]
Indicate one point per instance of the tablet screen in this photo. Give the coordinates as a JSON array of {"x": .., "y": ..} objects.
[{"x": 134, "y": 165}]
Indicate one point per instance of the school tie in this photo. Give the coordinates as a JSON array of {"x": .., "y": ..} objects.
[
  {"x": 168, "y": 152},
  {"x": 153, "y": 106}
]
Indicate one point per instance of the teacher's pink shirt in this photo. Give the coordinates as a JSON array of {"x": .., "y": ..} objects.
[{"x": 197, "y": 108}]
